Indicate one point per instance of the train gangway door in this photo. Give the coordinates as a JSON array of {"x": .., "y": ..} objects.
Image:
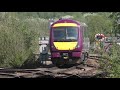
[{"x": 43, "y": 48}]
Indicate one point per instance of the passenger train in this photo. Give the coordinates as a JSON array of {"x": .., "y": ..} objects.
[{"x": 69, "y": 42}]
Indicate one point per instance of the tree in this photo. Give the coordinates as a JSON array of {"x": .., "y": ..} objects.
[
  {"x": 115, "y": 16},
  {"x": 98, "y": 24}
]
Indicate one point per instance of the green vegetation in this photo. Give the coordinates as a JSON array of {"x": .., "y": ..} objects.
[
  {"x": 19, "y": 38},
  {"x": 115, "y": 16},
  {"x": 19, "y": 33},
  {"x": 111, "y": 65}
]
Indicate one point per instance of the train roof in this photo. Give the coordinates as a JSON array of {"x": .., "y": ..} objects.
[{"x": 69, "y": 21}]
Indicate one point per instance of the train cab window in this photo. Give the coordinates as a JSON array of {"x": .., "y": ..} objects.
[
  {"x": 72, "y": 33},
  {"x": 65, "y": 33},
  {"x": 59, "y": 33}
]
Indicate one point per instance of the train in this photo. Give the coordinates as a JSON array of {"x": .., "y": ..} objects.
[{"x": 69, "y": 42}]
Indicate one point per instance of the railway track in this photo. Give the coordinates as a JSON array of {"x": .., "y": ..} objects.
[{"x": 88, "y": 70}]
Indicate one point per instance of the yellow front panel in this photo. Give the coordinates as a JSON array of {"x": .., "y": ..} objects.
[
  {"x": 65, "y": 45},
  {"x": 65, "y": 24}
]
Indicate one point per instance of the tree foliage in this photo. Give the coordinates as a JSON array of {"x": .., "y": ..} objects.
[
  {"x": 115, "y": 16},
  {"x": 19, "y": 38},
  {"x": 98, "y": 24}
]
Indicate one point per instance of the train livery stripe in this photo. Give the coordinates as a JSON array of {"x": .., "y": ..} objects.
[
  {"x": 65, "y": 24},
  {"x": 65, "y": 45}
]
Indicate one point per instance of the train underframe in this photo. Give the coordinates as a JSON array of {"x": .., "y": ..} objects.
[{"x": 68, "y": 58}]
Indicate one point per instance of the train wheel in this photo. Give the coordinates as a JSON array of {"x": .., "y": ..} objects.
[
  {"x": 54, "y": 61},
  {"x": 84, "y": 57},
  {"x": 57, "y": 62}
]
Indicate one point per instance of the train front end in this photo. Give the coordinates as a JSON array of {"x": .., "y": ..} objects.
[{"x": 65, "y": 42}]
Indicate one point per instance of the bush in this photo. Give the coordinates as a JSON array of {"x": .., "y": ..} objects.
[
  {"x": 19, "y": 38},
  {"x": 111, "y": 64},
  {"x": 13, "y": 50}
]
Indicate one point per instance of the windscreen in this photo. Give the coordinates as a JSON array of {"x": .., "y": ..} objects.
[{"x": 65, "y": 33}]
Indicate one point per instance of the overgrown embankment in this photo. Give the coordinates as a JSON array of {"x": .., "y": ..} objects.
[
  {"x": 19, "y": 38},
  {"x": 111, "y": 65}
]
